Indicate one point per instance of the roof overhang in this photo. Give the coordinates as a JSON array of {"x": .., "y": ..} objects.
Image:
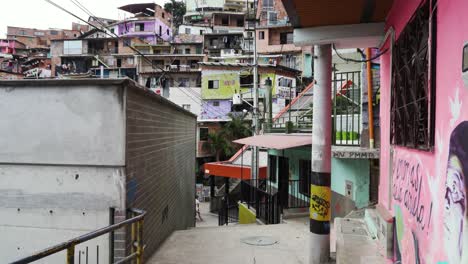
[
  {"x": 347, "y": 24},
  {"x": 277, "y": 141},
  {"x": 228, "y": 170}
]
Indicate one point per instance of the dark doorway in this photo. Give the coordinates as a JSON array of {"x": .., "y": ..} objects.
[{"x": 283, "y": 181}]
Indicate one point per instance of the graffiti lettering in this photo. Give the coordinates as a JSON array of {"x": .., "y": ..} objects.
[
  {"x": 407, "y": 185},
  {"x": 354, "y": 155},
  {"x": 320, "y": 203}
]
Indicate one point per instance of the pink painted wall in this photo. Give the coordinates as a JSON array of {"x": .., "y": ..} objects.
[{"x": 428, "y": 228}]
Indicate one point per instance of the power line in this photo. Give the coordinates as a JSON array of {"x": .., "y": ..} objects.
[{"x": 358, "y": 61}]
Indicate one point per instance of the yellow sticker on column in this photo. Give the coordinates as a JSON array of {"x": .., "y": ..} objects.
[{"x": 320, "y": 197}]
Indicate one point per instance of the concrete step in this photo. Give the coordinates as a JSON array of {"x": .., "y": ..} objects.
[
  {"x": 295, "y": 212},
  {"x": 355, "y": 244}
]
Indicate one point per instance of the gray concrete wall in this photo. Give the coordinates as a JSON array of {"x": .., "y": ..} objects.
[
  {"x": 70, "y": 150},
  {"x": 61, "y": 164},
  {"x": 58, "y": 124},
  {"x": 160, "y": 159}
]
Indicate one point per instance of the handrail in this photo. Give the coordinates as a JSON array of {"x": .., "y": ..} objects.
[{"x": 70, "y": 244}]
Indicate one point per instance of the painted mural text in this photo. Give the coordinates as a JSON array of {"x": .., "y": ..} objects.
[
  {"x": 320, "y": 203},
  {"x": 354, "y": 155},
  {"x": 407, "y": 190}
]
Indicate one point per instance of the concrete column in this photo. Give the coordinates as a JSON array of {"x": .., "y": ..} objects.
[{"x": 320, "y": 188}]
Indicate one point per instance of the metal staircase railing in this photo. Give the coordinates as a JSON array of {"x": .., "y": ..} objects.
[{"x": 135, "y": 222}]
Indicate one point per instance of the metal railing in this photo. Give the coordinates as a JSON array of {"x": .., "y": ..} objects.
[
  {"x": 135, "y": 222},
  {"x": 347, "y": 108},
  {"x": 228, "y": 211},
  {"x": 266, "y": 205},
  {"x": 293, "y": 124},
  {"x": 299, "y": 193}
]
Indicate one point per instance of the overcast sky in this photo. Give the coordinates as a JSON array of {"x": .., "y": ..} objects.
[{"x": 42, "y": 15}]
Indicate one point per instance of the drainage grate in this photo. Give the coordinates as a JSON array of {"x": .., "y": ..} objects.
[{"x": 259, "y": 241}]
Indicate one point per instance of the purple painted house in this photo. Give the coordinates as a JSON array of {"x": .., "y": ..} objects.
[{"x": 150, "y": 22}]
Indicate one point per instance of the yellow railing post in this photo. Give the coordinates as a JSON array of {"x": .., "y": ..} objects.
[
  {"x": 140, "y": 242},
  {"x": 71, "y": 254}
]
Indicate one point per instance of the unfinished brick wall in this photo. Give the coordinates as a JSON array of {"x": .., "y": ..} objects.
[{"x": 160, "y": 165}]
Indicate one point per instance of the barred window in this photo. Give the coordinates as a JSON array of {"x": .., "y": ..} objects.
[{"x": 413, "y": 82}]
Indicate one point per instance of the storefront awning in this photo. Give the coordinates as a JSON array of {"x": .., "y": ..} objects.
[{"x": 277, "y": 141}]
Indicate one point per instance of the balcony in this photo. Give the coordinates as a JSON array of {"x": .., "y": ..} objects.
[{"x": 171, "y": 68}]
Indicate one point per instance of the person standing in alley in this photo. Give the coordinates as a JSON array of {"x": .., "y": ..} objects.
[{"x": 197, "y": 208}]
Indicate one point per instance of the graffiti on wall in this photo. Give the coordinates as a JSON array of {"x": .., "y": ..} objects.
[
  {"x": 320, "y": 203},
  {"x": 455, "y": 220},
  {"x": 407, "y": 191}
]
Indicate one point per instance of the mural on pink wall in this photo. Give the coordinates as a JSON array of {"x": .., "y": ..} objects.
[
  {"x": 456, "y": 186},
  {"x": 427, "y": 191}
]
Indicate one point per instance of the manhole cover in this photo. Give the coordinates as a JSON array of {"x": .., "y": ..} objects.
[{"x": 259, "y": 241}]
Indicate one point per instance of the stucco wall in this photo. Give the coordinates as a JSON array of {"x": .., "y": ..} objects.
[
  {"x": 355, "y": 171},
  {"x": 61, "y": 165},
  {"x": 414, "y": 184}
]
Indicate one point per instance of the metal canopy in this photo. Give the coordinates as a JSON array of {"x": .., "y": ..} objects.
[{"x": 277, "y": 141}]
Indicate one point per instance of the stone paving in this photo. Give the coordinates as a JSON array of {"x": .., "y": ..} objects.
[{"x": 210, "y": 244}]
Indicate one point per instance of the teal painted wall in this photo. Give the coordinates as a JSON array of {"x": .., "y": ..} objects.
[
  {"x": 294, "y": 155},
  {"x": 307, "y": 72},
  {"x": 355, "y": 170}
]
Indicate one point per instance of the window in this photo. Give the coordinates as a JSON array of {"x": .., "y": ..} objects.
[
  {"x": 305, "y": 172},
  {"x": 267, "y": 3},
  {"x": 215, "y": 103},
  {"x": 240, "y": 22},
  {"x": 38, "y": 33},
  {"x": 225, "y": 21},
  {"x": 112, "y": 30},
  {"x": 184, "y": 82},
  {"x": 158, "y": 63},
  {"x": 54, "y": 32},
  {"x": 246, "y": 81},
  {"x": 160, "y": 30},
  {"x": 272, "y": 18},
  {"x": 214, "y": 42},
  {"x": 272, "y": 167},
  {"x": 412, "y": 102},
  {"x": 202, "y": 32},
  {"x": 119, "y": 63},
  {"x": 213, "y": 84},
  {"x": 261, "y": 35},
  {"x": 187, "y": 51},
  {"x": 286, "y": 38},
  {"x": 130, "y": 61},
  {"x": 139, "y": 27},
  {"x": 127, "y": 42},
  {"x": 188, "y": 31},
  {"x": 203, "y": 133},
  {"x": 186, "y": 107},
  {"x": 167, "y": 32},
  {"x": 163, "y": 14},
  {"x": 72, "y": 47}
]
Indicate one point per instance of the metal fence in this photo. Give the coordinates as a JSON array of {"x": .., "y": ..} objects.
[
  {"x": 135, "y": 223},
  {"x": 266, "y": 205},
  {"x": 347, "y": 108},
  {"x": 228, "y": 211},
  {"x": 299, "y": 193}
]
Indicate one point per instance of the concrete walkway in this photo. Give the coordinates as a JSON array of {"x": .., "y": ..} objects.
[
  {"x": 209, "y": 219},
  {"x": 215, "y": 245}
]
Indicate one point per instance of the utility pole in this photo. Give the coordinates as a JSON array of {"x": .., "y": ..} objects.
[
  {"x": 255, "y": 122},
  {"x": 320, "y": 191}
]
